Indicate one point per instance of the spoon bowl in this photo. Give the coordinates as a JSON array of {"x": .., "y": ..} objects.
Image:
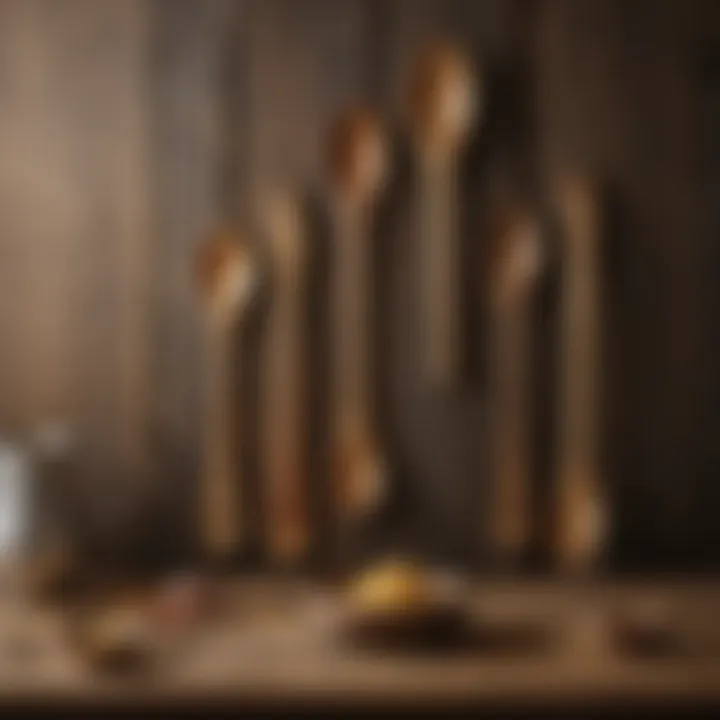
[{"x": 445, "y": 99}]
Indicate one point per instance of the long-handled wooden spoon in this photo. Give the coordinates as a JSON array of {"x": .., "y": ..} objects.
[
  {"x": 444, "y": 105},
  {"x": 519, "y": 263},
  {"x": 285, "y": 413},
  {"x": 227, "y": 277},
  {"x": 581, "y": 520},
  {"x": 358, "y": 161}
]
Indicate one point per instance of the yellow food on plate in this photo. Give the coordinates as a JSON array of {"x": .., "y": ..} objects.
[{"x": 393, "y": 586}]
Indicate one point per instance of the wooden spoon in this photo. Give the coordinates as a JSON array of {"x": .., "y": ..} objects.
[
  {"x": 444, "y": 105},
  {"x": 581, "y": 510},
  {"x": 285, "y": 400},
  {"x": 227, "y": 278},
  {"x": 515, "y": 276},
  {"x": 358, "y": 160}
]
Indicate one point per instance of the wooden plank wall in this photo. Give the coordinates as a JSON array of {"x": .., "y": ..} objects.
[
  {"x": 128, "y": 129},
  {"x": 620, "y": 92},
  {"x": 75, "y": 178}
]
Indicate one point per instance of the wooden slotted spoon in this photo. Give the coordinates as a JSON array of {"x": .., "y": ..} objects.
[
  {"x": 227, "y": 278},
  {"x": 515, "y": 277},
  {"x": 444, "y": 105},
  {"x": 358, "y": 160},
  {"x": 582, "y": 518},
  {"x": 285, "y": 415}
]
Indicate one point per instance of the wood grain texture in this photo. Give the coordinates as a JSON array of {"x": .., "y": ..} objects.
[
  {"x": 280, "y": 651},
  {"x": 76, "y": 207}
]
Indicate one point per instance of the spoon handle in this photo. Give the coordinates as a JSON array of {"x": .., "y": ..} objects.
[
  {"x": 511, "y": 367},
  {"x": 357, "y": 461},
  {"x": 220, "y": 501},
  {"x": 286, "y": 424},
  {"x": 581, "y": 511},
  {"x": 439, "y": 272}
]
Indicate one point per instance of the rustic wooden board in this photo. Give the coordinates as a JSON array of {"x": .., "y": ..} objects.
[{"x": 279, "y": 647}]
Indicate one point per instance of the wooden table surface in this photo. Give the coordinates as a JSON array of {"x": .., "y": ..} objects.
[{"x": 279, "y": 644}]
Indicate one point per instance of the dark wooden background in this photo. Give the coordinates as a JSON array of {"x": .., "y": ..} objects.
[{"x": 128, "y": 129}]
